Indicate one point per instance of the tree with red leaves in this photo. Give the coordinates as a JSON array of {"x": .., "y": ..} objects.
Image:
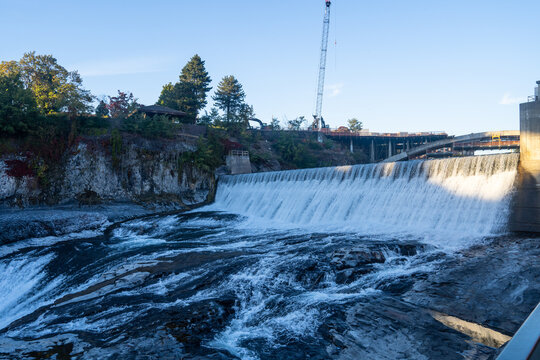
[{"x": 122, "y": 105}]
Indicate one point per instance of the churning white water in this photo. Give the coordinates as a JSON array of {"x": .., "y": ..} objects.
[{"x": 467, "y": 195}]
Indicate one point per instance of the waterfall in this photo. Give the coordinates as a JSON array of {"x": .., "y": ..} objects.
[{"x": 468, "y": 195}]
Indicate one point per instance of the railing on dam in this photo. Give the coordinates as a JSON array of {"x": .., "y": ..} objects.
[{"x": 240, "y": 153}]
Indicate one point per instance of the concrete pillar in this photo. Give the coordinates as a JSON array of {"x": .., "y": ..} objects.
[
  {"x": 351, "y": 146},
  {"x": 372, "y": 152},
  {"x": 526, "y": 206},
  {"x": 389, "y": 148}
]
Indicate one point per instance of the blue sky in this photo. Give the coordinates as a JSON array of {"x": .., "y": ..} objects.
[{"x": 458, "y": 66}]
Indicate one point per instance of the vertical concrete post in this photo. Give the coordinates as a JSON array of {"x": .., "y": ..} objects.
[
  {"x": 372, "y": 152},
  {"x": 526, "y": 207},
  {"x": 351, "y": 146},
  {"x": 389, "y": 148}
]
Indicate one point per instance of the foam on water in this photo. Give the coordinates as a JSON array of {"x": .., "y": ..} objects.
[
  {"x": 451, "y": 196},
  {"x": 19, "y": 287}
]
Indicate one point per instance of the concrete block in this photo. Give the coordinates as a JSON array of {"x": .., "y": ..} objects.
[{"x": 238, "y": 164}]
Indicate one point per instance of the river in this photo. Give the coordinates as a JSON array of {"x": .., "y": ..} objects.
[{"x": 349, "y": 262}]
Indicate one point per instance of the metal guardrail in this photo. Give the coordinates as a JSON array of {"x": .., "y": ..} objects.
[
  {"x": 488, "y": 144},
  {"x": 330, "y": 132},
  {"x": 524, "y": 345},
  {"x": 336, "y": 132},
  {"x": 239, "y": 153},
  {"x": 449, "y": 141}
]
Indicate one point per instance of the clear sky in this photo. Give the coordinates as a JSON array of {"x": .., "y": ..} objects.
[{"x": 460, "y": 66}]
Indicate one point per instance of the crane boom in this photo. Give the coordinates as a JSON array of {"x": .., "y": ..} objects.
[{"x": 322, "y": 67}]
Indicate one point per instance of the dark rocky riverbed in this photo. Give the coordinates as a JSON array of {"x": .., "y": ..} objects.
[{"x": 208, "y": 285}]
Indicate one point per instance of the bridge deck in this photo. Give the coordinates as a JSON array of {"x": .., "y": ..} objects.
[{"x": 470, "y": 138}]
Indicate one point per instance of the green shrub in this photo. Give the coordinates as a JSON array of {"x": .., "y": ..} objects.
[
  {"x": 293, "y": 152},
  {"x": 207, "y": 157},
  {"x": 151, "y": 126}
]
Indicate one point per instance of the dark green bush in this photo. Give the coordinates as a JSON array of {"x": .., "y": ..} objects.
[{"x": 151, "y": 126}]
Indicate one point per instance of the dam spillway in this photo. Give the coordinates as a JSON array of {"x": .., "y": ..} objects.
[{"x": 470, "y": 194}]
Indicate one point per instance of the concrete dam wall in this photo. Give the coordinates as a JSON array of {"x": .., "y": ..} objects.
[
  {"x": 526, "y": 207},
  {"x": 468, "y": 195}
]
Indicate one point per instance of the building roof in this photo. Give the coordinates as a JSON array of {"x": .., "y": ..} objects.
[{"x": 160, "y": 110}]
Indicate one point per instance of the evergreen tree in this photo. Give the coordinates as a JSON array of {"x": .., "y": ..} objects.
[
  {"x": 246, "y": 112},
  {"x": 186, "y": 98},
  {"x": 229, "y": 97},
  {"x": 189, "y": 94},
  {"x": 195, "y": 73},
  {"x": 168, "y": 97},
  {"x": 101, "y": 109},
  {"x": 210, "y": 118}
]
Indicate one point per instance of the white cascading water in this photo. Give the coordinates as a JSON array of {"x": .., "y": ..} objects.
[{"x": 469, "y": 195}]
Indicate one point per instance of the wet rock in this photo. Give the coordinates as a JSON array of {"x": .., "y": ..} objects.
[
  {"x": 387, "y": 328},
  {"x": 354, "y": 258},
  {"x": 495, "y": 285},
  {"x": 197, "y": 322},
  {"x": 349, "y": 264}
]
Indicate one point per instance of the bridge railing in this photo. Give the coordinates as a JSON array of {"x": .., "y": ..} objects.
[
  {"x": 492, "y": 143},
  {"x": 337, "y": 132}
]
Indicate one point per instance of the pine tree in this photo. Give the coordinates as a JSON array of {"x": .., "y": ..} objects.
[
  {"x": 101, "y": 109},
  {"x": 229, "y": 97},
  {"x": 168, "y": 97},
  {"x": 189, "y": 94},
  {"x": 195, "y": 73}
]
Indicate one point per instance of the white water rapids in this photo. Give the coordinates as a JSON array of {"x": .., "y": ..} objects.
[
  {"x": 461, "y": 195},
  {"x": 320, "y": 263}
]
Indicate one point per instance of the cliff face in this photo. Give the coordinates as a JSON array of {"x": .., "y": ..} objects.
[{"x": 101, "y": 169}]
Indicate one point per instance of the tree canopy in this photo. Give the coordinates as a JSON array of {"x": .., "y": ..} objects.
[
  {"x": 195, "y": 73},
  {"x": 17, "y": 103},
  {"x": 229, "y": 97},
  {"x": 55, "y": 89},
  {"x": 354, "y": 125},
  {"x": 190, "y": 92},
  {"x": 120, "y": 106},
  {"x": 296, "y": 124},
  {"x": 101, "y": 109}
]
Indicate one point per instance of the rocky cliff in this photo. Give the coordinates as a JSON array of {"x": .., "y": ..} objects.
[{"x": 106, "y": 169}]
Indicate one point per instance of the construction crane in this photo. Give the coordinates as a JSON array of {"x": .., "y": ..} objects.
[{"x": 318, "y": 122}]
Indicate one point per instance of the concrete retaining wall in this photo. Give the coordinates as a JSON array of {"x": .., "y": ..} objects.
[
  {"x": 238, "y": 164},
  {"x": 526, "y": 210}
]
